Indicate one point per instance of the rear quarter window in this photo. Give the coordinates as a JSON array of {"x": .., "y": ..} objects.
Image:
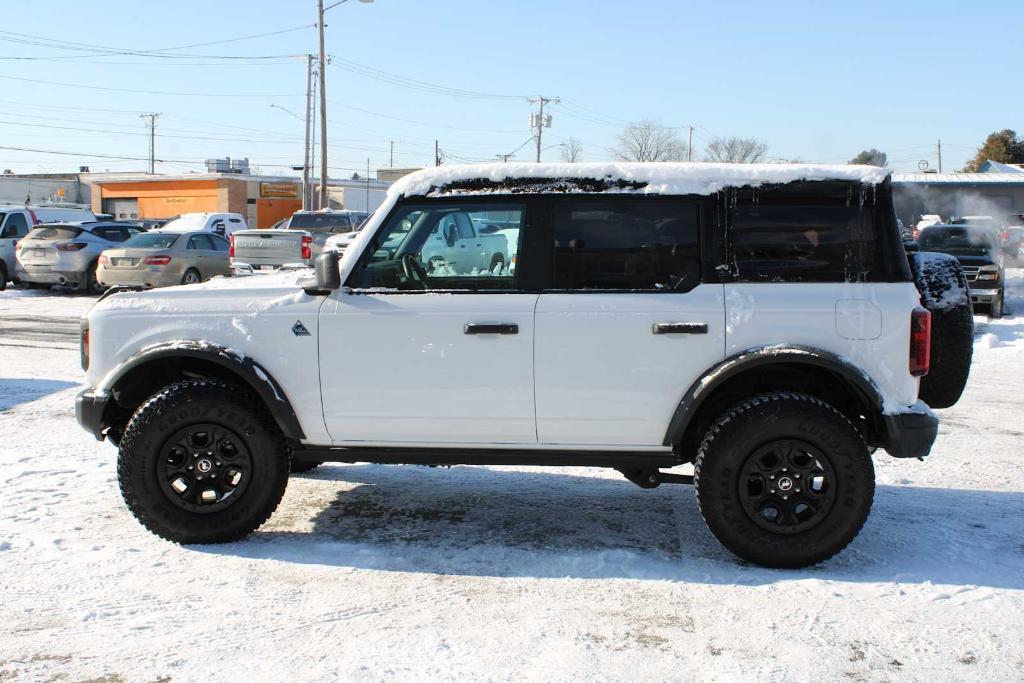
[{"x": 787, "y": 238}]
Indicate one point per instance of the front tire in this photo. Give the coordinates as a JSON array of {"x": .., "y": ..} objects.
[
  {"x": 92, "y": 284},
  {"x": 202, "y": 462},
  {"x": 995, "y": 310},
  {"x": 784, "y": 480},
  {"x": 3, "y": 276}
]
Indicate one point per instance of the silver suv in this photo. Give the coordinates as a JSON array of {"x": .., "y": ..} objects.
[{"x": 67, "y": 253}]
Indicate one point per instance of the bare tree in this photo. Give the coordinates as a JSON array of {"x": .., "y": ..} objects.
[
  {"x": 736, "y": 150},
  {"x": 647, "y": 140},
  {"x": 572, "y": 150}
]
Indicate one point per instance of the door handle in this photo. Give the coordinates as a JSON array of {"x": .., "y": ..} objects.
[
  {"x": 487, "y": 328},
  {"x": 680, "y": 328}
]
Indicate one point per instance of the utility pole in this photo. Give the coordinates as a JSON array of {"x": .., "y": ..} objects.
[
  {"x": 323, "y": 106},
  {"x": 307, "y": 156},
  {"x": 391, "y": 163},
  {"x": 437, "y": 154},
  {"x": 539, "y": 121},
  {"x": 152, "y": 140},
  {"x": 689, "y": 146},
  {"x": 940, "y": 156}
]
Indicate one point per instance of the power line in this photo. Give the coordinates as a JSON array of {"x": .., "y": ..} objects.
[
  {"x": 130, "y": 90},
  {"x": 415, "y": 84}
]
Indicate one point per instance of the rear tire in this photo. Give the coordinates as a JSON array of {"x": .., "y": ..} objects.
[
  {"x": 944, "y": 292},
  {"x": 3, "y": 276},
  {"x": 195, "y": 437},
  {"x": 191, "y": 277},
  {"x": 91, "y": 285},
  {"x": 784, "y": 480},
  {"x": 497, "y": 260}
]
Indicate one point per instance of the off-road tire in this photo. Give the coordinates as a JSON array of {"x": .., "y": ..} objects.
[
  {"x": 201, "y": 401},
  {"x": 299, "y": 467},
  {"x": 944, "y": 292},
  {"x": 746, "y": 427}
]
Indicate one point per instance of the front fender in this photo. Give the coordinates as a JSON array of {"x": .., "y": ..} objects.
[{"x": 234, "y": 362}]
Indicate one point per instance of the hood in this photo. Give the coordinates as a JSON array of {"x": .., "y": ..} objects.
[{"x": 252, "y": 294}]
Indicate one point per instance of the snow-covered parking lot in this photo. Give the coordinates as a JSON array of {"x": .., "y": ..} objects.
[{"x": 412, "y": 573}]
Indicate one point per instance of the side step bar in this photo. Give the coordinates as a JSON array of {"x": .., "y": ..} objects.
[{"x": 621, "y": 460}]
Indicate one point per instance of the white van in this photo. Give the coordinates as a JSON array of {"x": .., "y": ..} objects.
[
  {"x": 224, "y": 224},
  {"x": 16, "y": 221}
]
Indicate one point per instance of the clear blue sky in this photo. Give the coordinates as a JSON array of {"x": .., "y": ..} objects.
[{"x": 816, "y": 81}]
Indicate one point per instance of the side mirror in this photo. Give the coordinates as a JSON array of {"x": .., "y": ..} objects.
[{"x": 328, "y": 274}]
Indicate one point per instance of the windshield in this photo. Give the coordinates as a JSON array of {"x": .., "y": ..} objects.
[
  {"x": 956, "y": 240},
  {"x": 54, "y": 232},
  {"x": 321, "y": 222},
  {"x": 151, "y": 240}
]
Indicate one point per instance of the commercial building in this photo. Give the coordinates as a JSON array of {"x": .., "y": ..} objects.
[
  {"x": 998, "y": 193},
  {"x": 263, "y": 200}
]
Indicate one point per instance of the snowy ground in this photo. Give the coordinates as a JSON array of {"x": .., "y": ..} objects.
[{"x": 373, "y": 572}]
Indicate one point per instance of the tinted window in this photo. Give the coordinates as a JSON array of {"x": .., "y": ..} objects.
[
  {"x": 218, "y": 242},
  {"x": 200, "y": 242},
  {"x": 420, "y": 249},
  {"x": 16, "y": 225},
  {"x": 152, "y": 240},
  {"x": 626, "y": 245},
  {"x": 112, "y": 234},
  {"x": 809, "y": 239},
  {"x": 321, "y": 222},
  {"x": 55, "y": 232}
]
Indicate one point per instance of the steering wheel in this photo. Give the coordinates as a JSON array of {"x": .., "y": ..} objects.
[{"x": 414, "y": 271}]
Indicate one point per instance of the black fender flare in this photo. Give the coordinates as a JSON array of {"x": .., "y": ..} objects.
[
  {"x": 237, "y": 363},
  {"x": 761, "y": 356}
]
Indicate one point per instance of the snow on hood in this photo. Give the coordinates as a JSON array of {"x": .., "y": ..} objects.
[{"x": 631, "y": 177}]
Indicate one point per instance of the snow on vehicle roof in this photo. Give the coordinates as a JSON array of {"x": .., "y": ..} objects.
[{"x": 621, "y": 177}]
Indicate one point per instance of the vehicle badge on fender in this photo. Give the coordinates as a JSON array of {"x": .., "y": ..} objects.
[{"x": 299, "y": 330}]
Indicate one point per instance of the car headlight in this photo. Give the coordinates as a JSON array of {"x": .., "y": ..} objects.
[{"x": 988, "y": 273}]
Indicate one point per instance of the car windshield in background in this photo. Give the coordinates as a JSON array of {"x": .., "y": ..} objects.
[
  {"x": 321, "y": 222},
  {"x": 956, "y": 240},
  {"x": 152, "y": 240},
  {"x": 54, "y": 232}
]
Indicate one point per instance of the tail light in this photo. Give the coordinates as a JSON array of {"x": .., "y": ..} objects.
[
  {"x": 72, "y": 246},
  {"x": 307, "y": 248},
  {"x": 231, "y": 245},
  {"x": 84, "y": 346},
  {"x": 920, "y": 341},
  {"x": 104, "y": 260},
  {"x": 156, "y": 260}
]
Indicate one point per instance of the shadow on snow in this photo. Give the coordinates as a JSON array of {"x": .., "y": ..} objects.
[
  {"x": 486, "y": 522},
  {"x": 14, "y": 392}
]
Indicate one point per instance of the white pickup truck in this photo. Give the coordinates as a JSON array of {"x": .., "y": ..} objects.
[{"x": 300, "y": 239}]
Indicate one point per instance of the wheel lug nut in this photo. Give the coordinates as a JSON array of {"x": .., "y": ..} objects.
[
  {"x": 785, "y": 498},
  {"x": 771, "y": 476},
  {"x": 218, "y": 463},
  {"x": 797, "y": 476},
  {"x": 190, "y": 467},
  {"x": 771, "y": 491}
]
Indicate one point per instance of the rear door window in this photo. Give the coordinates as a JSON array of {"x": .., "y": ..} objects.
[{"x": 631, "y": 245}]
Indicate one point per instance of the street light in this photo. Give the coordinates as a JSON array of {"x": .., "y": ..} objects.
[{"x": 323, "y": 98}]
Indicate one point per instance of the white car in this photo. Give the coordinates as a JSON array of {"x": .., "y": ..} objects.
[
  {"x": 745, "y": 320},
  {"x": 15, "y": 223},
  {"x": 223, "y": 224}
]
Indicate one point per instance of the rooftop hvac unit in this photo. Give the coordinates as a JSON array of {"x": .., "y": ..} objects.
[{"x": 228, "y": 165}]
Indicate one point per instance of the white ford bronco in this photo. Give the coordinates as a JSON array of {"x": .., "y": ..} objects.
[{"x": 759, "y": 323}]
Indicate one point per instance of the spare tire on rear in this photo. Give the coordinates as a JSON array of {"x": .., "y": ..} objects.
[{"x": 944, "y": 291}]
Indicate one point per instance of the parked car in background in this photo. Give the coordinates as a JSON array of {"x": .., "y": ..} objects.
[
  {"x": 161, "y": 259},
  {"x": 223, "y": 224},
  {"x": 14, "y": 225},
  {"x": 50, "y": 214},
  {"x": 1012, "y": 245},
  {"x": 300, "y": 240},
  {"x": 927, "y": 220},
  {"x": 977, "y": 250},
  {"x": 68, "y": 253}
]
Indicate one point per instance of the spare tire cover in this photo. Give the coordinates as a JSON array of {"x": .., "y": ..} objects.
[{"x": 944, "y": 291}]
